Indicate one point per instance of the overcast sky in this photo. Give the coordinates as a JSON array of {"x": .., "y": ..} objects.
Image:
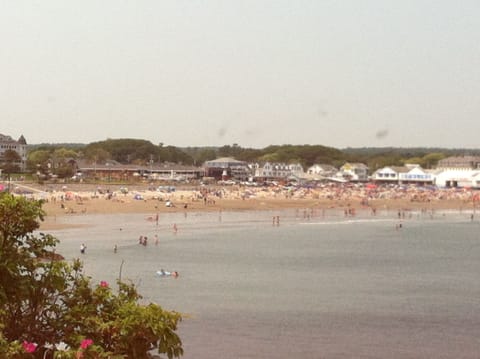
[{"x": 337, "y": 73}]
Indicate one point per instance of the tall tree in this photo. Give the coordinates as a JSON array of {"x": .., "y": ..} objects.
[{"x": 10, "y": 161}]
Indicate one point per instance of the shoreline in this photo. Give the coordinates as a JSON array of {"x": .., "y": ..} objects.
[
  {"x": 80, "y": 199},
  {"x": 153, "y": 207}
]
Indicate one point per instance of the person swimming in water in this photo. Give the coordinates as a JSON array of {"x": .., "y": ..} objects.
[{"x": 165, "y": 273}]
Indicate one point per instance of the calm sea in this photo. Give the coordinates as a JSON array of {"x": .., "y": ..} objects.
[{"x": 317, "y": 285}]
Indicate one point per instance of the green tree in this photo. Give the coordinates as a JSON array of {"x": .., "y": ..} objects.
[
  {"x": 10, "y": 161},
  {"x": 200, "y": 155},
  {"x": 45, "y": 301},
  {"x": 137, "y": 151},
  {"x": 61, "y": 158},
  {"x": 97, "y": 154},
  {"x": 270, "y": 157},
  {"x": 430, "y": 160},
  {"x": 173, "y": 154},
  {"x": 37, "y": 160},
  {"x": 124, "y": 150}
]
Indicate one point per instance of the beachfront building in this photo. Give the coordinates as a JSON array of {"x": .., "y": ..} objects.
[
  {"x": 354, "y": 172},
  {"x": 322, "y": 171},
  {"x": 452, "y": 178},
  {"x": 412, "y": 174},
  {"x": 226, "y": 168},
  {"x": 389, "y": 174},
  {"x": 174, "y": 172},
  {"x": 19, "y": 146},
  {"x": 459, "y": 163},
  {"x": 458, "y": 171},
  {"x": 278, "y": 171},
  {"x": 417, "y": 175},
  {"x": 111, "y": 170}
]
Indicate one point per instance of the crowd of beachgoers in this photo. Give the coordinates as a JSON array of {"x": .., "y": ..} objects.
[
  {"x": 324, "y": 194},
  {"x": 77, "y": 198},
  {"x": 341, "y": 192}
]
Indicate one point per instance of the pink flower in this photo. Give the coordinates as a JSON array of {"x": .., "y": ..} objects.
[
  {"x": 104, "y": 284},
  {"x": 29, "y": 347},
  {"x": 86, "y": 343}
]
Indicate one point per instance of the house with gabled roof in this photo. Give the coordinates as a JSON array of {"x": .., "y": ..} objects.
[
  {"x": 403, "y": 174},
  {"x": 322, "y": 170},
  {"x": 389, "y": 174},
  {"x": 417, "y": 175},
  {"x": 355, "y": 172},
  {"x": 19, "y": 146}
]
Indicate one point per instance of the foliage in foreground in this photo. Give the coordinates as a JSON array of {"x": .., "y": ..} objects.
[{"x": 50, "y": 309}]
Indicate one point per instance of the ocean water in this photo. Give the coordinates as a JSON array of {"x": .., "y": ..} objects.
[{"x": 316, "y": 285}]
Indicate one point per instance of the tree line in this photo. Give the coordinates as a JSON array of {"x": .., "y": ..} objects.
[{"x": 42, "y": 158}]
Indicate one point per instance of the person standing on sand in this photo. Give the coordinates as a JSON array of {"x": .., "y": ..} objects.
[{"x": 83, "y": 247}]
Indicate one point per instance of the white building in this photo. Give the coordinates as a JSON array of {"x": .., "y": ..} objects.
[
  {"x": 20, "y": 147},
  {"x": 389, "y": 174},
  {"x": 458, "y": 178},
  {"x": 458, "y": 171},
  {"x": 403, "y": 174},
  {"x": 322, "y": 170},
  {"x": 278, "y": 171},
  {"x": 417, "y": 175},
  {"x": 355, "y": 172}
]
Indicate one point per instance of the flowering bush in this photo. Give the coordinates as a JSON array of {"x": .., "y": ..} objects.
[
  {"x": 86, "y": 343},
  {"x": 29, "y": 347},
  {"x": 49, "y": 309}
]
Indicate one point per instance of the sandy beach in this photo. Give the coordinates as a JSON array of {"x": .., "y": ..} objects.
[{"x": 82, "y": 199}]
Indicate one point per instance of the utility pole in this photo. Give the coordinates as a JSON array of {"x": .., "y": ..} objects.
[{"x": 151, "y": 165}]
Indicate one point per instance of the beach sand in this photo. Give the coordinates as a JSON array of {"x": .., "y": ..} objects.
[{"x": 84, "y": 200}]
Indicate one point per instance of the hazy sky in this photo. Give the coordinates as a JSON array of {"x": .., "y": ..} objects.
[{"x": 253, "y": 72}]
